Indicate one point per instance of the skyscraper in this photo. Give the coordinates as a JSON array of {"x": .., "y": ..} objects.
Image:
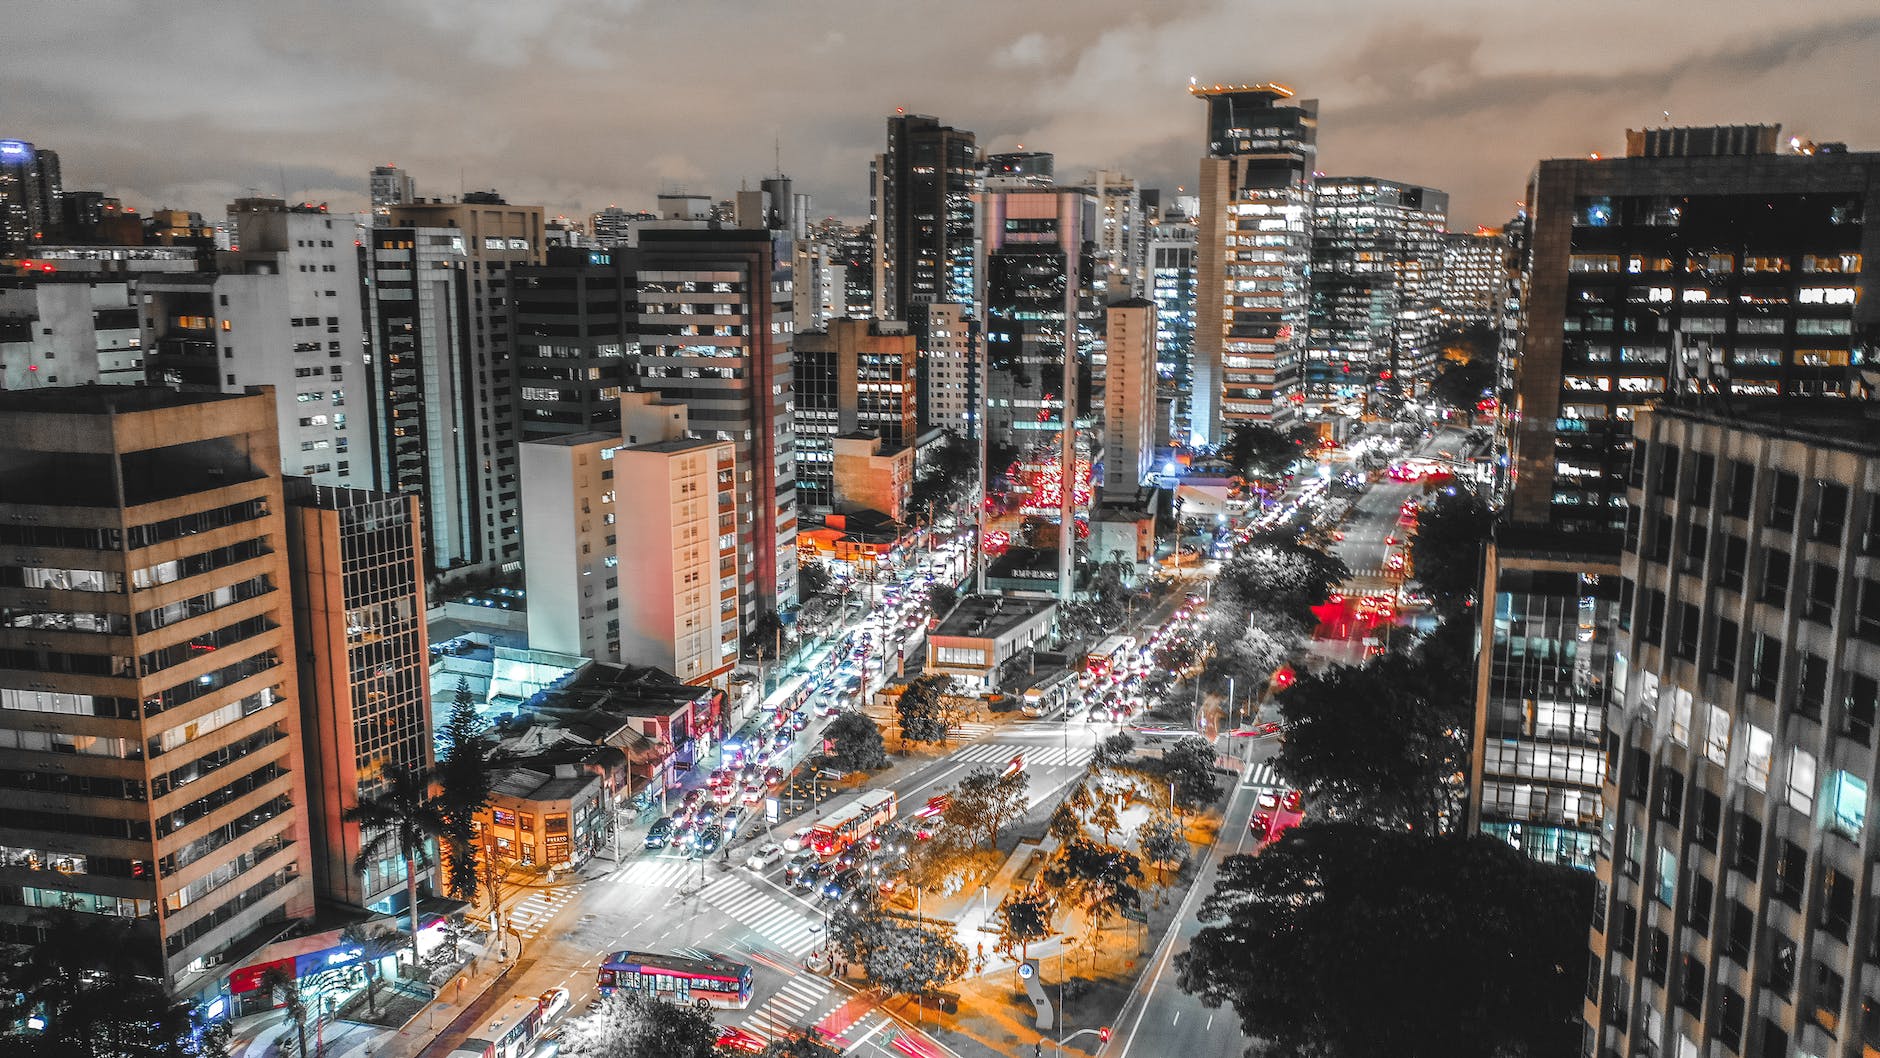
[
  {"x": 30, "y": 192},
  {"x": 924, "y": 226},
  {"x": 1121, "y": 235},
  {"x": 151, "y": 711},
  {"x": 1171, "y": 280},
  {"x": 1253, "y": 256},
  {"x": 391, "y": 186},
  {"x": 1041, "y": 311},
  {"x": 1129, "y": 437},
  {"x": 854, "y": 375},
  {"x": 1377, "y": 258},
  {"x": 498, "y": 238},
  {"x": 714, "y": 333},
  {"x": 1475, "y": 277},
  {"x": 358, "y": 591},
  {"x": 950, "y": 388},
  {"x": 575, "y": 324}
]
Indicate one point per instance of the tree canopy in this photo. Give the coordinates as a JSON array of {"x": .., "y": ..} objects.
[
  {"x": 463, "y": 773},
  {"x": 1277, "y": 578},
  {"x": 921, "y": 711},
  {"x": 986, "y": 800},
  {"x": 1188, "y": 763},
  {"x": 1394, "y": 944},
  {"x": 1025, "y": 916},
  {"x": 630, "y": 1024},
  {"x": 855, "y": 742},
  {"x": 1099, "y": 878},
  {"x": 1447, "y": 548},
  {"x": 400, "y": 817},
  {"x": 915, "y": 959},
  {"x": 948, "y": 478},
  {"x": 1260, "y": 451}
]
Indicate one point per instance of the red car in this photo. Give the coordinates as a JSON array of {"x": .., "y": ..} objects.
[{"x": 736, "y": 1039}]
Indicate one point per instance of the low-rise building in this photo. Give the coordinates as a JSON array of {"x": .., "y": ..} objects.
[
  {"x": 872, "y": 476},
  {"x": 554, "y": 818},
  {"x": 984, "y": 632}
]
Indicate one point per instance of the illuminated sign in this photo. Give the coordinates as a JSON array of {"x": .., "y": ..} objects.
[{"x": 15, "y": 149}]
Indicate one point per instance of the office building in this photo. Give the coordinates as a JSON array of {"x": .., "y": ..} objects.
[
  {"x": 1253, "y": 255},
  {"x": 1738, "y": 272},
  {"x": 925, "y": 184},
  {"x": 1129, "y": 437},
  {"x": 357, "y": 573},
  {"x": 1041, "y": 311},
  {"x": 950, "y": 387},
  {"x": 869, "y": 476},
  {"x": 1171, "y": 283},
  {"x": 283, "y": 311},
  {"x": 715, "y": 333},
  {"x": 853, "y": 260},
  {"x": 391, "y": 186},
  {"x": 30, "y": 194},
  {"x": 1376, "y": 286},
  {"x": 1121, "y": 235},
  {"x": 498, "y": 238},
  {"x": 569, "y": 531},
  {"x": 856, "y": 375},
  {"x": 575, "y": 324},
  {"x": 1735, "y": 909},
  {"x": 152, "y": 715},
  {"x": 419, "y": 296},
  {"x": 818, "y": 279},
  {"x": 681, "y": 569},
  {"x": 1475, "y": 277},
  {"x": 1020, "y": 168},
  {"x": 69, "y": 329}
]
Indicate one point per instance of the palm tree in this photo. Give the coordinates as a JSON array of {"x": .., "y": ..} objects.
[
  {"x": 404, "y": 816},
  {"x": 373, "y": 945},
  {"x": 279, "y": 981}
]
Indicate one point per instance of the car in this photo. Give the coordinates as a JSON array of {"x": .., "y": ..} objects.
[
  {"x": 708, "y": 840},
  {"x": 731, "y": 1038},
  {"x": 799, "y": 721},
  {"x": 812, "y": 877},
  {"x": 706, "y": 817},
  {"x": 1291, "y": 800},
  {"x": 782, "y": 741},
  {"x": 554, "y": 1001},
  {"x": 773, "y": 775},
  {"x": 732, "y": 817},
  {"x": 798, "y": 841},
  {"x": 751, "y": 797},
  {"x": 840, "y": 884},
  {"x": 692, "y": 798},
  {"x": 718, "y": 778},
  {"x": 685, "y": 837},
  {"x": 767, "y": 854},
  {"x": 659, "y": 835},
  {"x": 724, "y": 795}
]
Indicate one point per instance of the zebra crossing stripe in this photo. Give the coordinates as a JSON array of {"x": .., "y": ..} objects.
[
  {"x": 1043, "y": 756},
  {"x": 777, "y": 922},
  {"x": 1262, "y": 775}
]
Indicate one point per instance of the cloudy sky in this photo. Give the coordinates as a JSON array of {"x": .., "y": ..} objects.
[{"x": 576, "y": 104}]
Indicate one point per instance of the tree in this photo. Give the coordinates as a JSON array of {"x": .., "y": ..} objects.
[
  {"x": 279, "y": 982},
  {"x": 374, "y": 945},
  {"x": 1103, "y": 817},
  {"x": 915, "y": 960},
  {"x": 805, "y": 1046},
  {"x": 1097, "y": 877},
  {"x": 1259, "y": 451},
  {"x": 941, "y": 599},
  {"x": 1447, "y": 548},
  {"x": 855, "y": 742},
  {"x": 949, "y": 478},
  {"x": 1065, "y": 824},
  {"x": 1113, "y": 750},
  {"x": 1462, "y": 386},
  {"x": 921, "y": 712},
  {"x": 1276, "y": 576},
  {"x": 632, "y": 1024},
  {"x": 464, "y": 787},
  {"x": 812, "y": 579},
  {"x": 1469, "y": 949},
  {"x": 97, "y": 985},
  {"x": 1025, "y": 916},
  {"x": 987, "y": 799},
  {"x": 402, "y": 818},
  {"x": 1385, "y": 744},
  {"x": 1189, "y": 765},
  {"x": 1250, "y": 660},
  {"x": 767, "y": 635},
  {"x": 1163, "y": 846}
]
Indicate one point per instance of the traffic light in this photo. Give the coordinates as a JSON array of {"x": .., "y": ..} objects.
[{"x": 1103, "y": 1034}]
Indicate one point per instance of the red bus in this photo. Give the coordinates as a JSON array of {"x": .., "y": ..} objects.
[
  {"x": 704, "y": 982},
  {"x": 852, "y": 822}
]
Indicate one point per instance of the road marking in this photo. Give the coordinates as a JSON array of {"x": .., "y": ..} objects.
[{"x": 1176, "y": 1019}]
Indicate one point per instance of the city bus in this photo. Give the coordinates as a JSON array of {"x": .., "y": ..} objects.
[
  {"x": 1105, "y": 657},
  {"x": 851, "y": 822},
  {"x": 1048, "y": 695},
  {"x": 511, "y": 1033},
  {"x": 703, "y": 982}
]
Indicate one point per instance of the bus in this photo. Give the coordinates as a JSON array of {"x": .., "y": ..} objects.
[
  {"x": 1107, "y": 656},
  {"x": 851, "y": 822},
  {"x": 511, "y": 1033},
  {"x": 703, "y": 982},
  {"x": 1048, "y": 695}
]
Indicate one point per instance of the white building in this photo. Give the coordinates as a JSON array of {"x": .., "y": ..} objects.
[
  {"x": 568, "y": 527},
  {"x": 283, "y": 312},
  {"x": 391, "y": 186},
  {"x": 1129, "y": 439},
  {"x": 70, "y": 333},
  {"x": 1122, "y": 235},
  {"x": 953, "y": 368}
]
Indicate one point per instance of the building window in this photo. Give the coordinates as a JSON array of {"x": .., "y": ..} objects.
[
  {"x": 1670, "y": 805},
  {"x": 1742, "y": 487},
  {"x": 1828, "y": 991},
  {"x": 1811, "y": 692},
  {"x": 1801, "y": 785},
  {"x": 1708, "y": 819},
  {"x": 1782, "y": 500},
  {"x": 1847, "y": 807},
  {"x": 1723, "y": 658},
  {"x": 1789, "y": 873},
  {"x": 1742, "y": 924},
  {"x": 1823, "y": 586},
  {"x": 1834, "y": 912},
  {"x": 1830, "y": 512},
  {"x": 1684, "y": 645},
  {"x": 1691, "y": 986},
  {"x": 1857, "y": 713},
  {"x": 1698, "y": 484},
  {"x": 1758, "y": 750},
  {"x": 1657, "y": 953},
  {"x": 1698, "y": 893},
  {"x": 1735, "y": 561},
  {"x": 1667, "y": 891},
  {"x": 1867, "y": 611},
  {"x": 1728, "y": 1016},
  {"x": 1775, "y": 581}
]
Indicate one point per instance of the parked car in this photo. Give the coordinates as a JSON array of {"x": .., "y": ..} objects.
[{"x": 659, "y": 835}]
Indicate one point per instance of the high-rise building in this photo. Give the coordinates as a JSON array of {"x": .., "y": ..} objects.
[
  {"x": 680, "y": 568},
  {"x": 715, "y": 334},
  {"x": 1018, "y": 168},
  {"x": 1735, "y": 901},
  {"x": 283, "y": 311},
  {"x": 1475, "y": 277},
  {"x": 1041, "y": 310},
  {"x": 924, "y": 226},
  {"x": 1171, "y": 281},
  {"x": 818, "y": 278},
  {"x": 419, "y": 296},
  {"x": 148, "y": 698},
  {"x": 1733, "y": 276},
  {"x": 854, "y": 261},
  {"x": 950, "y": 387},
  {"x": 1376, "y": 284},
  {"x": 391, "y": 186},
  {"x": 575, "y": 325},
  {"x": 1129, "y": 435},
  {"x": 358, "y": 592},
  {"x": 498, "y": 238},
  {"x": 1739, "y": 272},
  {"x": 1253, "y": 256},
  {"x": 855, "y": 375},
  {"x": 1121, "y": 235},
  {"x": 569, "y": 534},
  {"x": 69, "y": 329},
  {"x": 30, "y": 192}
]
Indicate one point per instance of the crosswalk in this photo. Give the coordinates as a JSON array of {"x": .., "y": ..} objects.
[
  {"x": 1040, "y": 756},
  {"x": 1262, "y": 776},
  {"x": 790, "y": 926},
  {"x": 531, "y": 914},
  {"x": 803, "y": 1001},
  {"x": 671, "y": 872},
  {"x": 971, "y": 732}
]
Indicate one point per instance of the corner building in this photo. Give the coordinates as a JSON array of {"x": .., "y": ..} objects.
[{"x": 149, "y": 711}]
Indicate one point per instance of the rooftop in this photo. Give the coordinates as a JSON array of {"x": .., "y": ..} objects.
[
  {"x": 103, "y": 400},
  {"x": 1849, "y": 425},
  {"x": 1273, "y": 88},
  {"x": 989, "y": 616}
]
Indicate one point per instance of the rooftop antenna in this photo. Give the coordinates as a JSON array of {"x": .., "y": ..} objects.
[
  {"x": 776, "y": 143},
  {"x": 283, "y": 183}
]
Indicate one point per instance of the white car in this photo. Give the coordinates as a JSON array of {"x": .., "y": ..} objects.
[
  {"x": 768, "y": 853},
  {"x": 796, "y": 841}
]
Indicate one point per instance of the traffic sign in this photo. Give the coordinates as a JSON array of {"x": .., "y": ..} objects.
[{"x": 1025, "y": 971}]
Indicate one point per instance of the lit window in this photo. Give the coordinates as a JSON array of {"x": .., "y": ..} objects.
[
  {"x": 1756, "y": 758},
  {"x": 1801, "y": 780},
  {"x": 1848, "y": 807}
]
